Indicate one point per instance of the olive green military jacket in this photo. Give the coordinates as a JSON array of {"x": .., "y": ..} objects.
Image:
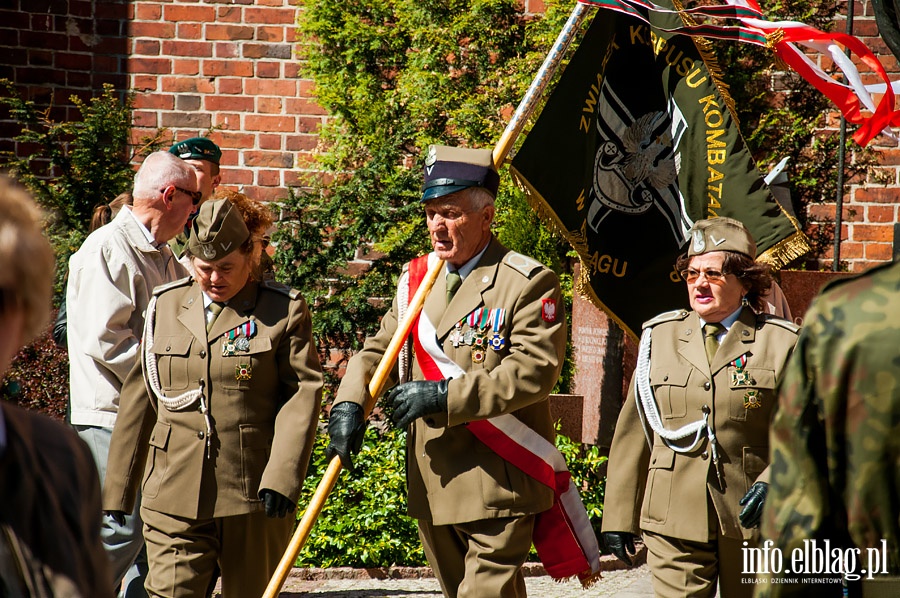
[
  {"x": 665, "y": 492},
  {"x": 836, "y": 435},
  {"x": 263, "y": 426},
  {"x": 451, "y": 476}
]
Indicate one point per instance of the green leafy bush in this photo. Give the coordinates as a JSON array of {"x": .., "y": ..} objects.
[{"x": 364, "y": 521}]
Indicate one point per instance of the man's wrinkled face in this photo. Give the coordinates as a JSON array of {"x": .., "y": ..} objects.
[
  {"x": 458, "y": 230},
  {"x": 222, "y": 279}
]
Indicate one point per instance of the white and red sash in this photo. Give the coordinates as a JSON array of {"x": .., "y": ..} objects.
[{"x": 563, "y": 537}]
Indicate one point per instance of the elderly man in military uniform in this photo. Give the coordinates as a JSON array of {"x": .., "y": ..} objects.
[
  {"x": 835, "y": 450},
  {"x": 688, "y": 466},
  {"x": 490, "y": 342}
]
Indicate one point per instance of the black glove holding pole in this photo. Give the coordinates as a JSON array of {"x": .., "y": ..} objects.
[
  {"x": 416, "y": 399},
  {"x": 620, "y": 544},
  {"x": 753, "y": 503},
  {"x": 277, "y": 504},
  {"x": 346, "y": 428}
]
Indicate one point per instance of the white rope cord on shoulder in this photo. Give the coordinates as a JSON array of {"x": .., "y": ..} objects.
[{"x": 647, "y": 405}]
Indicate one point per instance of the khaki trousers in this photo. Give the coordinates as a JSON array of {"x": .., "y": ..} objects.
[
  {"x": 182, "y": 553},
  {"x": 481, "y": 558}
]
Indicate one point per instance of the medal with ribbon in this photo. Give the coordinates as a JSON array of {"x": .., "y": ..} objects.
[
  {"x": 740, "y": 377},
  {"x": 238, "y": 339},
  {"x": 497, "y": 318},
  {"x": 478, "y": 323}
]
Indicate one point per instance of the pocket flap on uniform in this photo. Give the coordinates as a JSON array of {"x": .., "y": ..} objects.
[
  {"x": 662, "y": 457},
  {"x": 755, "y": 460},
  {"x": 172, "y": 345},
  {"x": 160, "y": 436},
  {"x": 762, "y": 377},
  {"x": 669, "y": 376},
  {"x": 259, "y": 345}
]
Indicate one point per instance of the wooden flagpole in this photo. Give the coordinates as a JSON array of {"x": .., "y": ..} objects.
[{"x": 376, "y": 385}]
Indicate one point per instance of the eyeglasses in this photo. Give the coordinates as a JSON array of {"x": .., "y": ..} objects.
[
  {"x": 712, "y": 276},
  {"x": 195, "y": 196}
]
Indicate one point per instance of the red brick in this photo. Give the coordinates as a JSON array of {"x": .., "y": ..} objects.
[
  {"x": 236, "y": 139},
  {"x": 144, "y": 82},
  {"x": 65, "y": 61},
  {"x": 190, "y": 30},
  {"x": 229, "y": 14},
  {"x": 186, "y": 85},
  {"x": 888, "y": 156},
  {"x": 872, "y": 232},
  {"x": 884, "y": 214},
  {"x": 151, "y": 30},
  {"x": 270, "y": 142},
  {"x": 226, "y": 120},
  {"x": 147, "y": 47},
  {"x": 227, "y": 50},
  {"x": 308, "y": 124},
  {"x": 145, "y": 11},
  {"x": 236, "y": 176},
  {"x": 270, "y": 87},
  {"x": 291, "y": 70},
  {"x": 268, "y": 70},
  {"x": 47, "y": 41},
  {"x": 850, "y": 250},
  {"x": 268, "y": 193},
  {"x": 283, "y": 124},
  {"x": 226, "y": 68},
  {"x": 194, "y": 120},
  {"x": 269, "y": 105},
  {"x": 879, "y": 252},
  {"x": 270, "y": 34},
  {"x": 268, "y": 159},
  {"x": 198, "y": 13},
  {"x": 269, "y": 178},
  {"x": 231, "y": 86},
  {"x": 229, "y": 32},
  {"x": 877, "y": 195},
  {"x": 199, "y": 49},
  {"x": 229, "y": 103},
  {"x": 107, "y": 64},
  {"x": 270, "y": 16},
  {"x": 185, "y": 66},
  {"x": 302, "y": 143},
  {"x": 144, "y": 118},
  {"x": 154, "y": 101}
]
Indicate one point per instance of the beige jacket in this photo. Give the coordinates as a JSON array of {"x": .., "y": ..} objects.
[
  {"x": 451, "y": 476},
  {"x": 262, "y": 428},
  {"x": 666, "y": 492}
]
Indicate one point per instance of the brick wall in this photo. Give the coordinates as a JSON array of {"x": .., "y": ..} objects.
[{"x": 199, "y": 64}]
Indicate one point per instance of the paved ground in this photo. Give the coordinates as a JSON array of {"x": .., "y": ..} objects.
[{"x": 411, "y": 582}]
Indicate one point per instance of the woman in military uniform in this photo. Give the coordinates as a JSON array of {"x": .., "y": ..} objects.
[
  {"x": 222, "y": 409},
  {"x": 688, "y": 466}
]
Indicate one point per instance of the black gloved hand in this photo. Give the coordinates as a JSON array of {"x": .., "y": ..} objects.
[
  {"x": 753, "y": 503},
  {"x": 346, "y": 428},
  {"x": 620, "y": 544},
  {"x": 413, "y": 400},
  {"x": 277, "y": 505},
  {"x": 117, "y": 516}
]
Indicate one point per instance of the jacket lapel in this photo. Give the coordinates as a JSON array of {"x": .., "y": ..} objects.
[
  {"x": 192, "y": 314},
  {"x": 470, "y": 295},
  {"x": 690, "y": 346}
]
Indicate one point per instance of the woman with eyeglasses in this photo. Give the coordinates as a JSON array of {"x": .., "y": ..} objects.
[
  {"x": 688, "y": 466},
  {"x": 217, "y": 422}
]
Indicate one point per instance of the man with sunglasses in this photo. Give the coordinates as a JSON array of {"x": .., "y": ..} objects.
[
  {"x": 111, "y": 280},
  {"x": 688, "y": 466}
]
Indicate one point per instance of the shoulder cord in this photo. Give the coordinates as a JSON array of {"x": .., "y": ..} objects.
[
  {"x": 402, "y": 307},
  {"x": 649, "y": 411},
  {"x": 183, "y": 401}
]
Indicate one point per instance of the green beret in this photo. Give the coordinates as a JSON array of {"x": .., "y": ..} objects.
[
  {"x": 217, "y": 230},
  {"x": 721, "y": 234},
  {"x": 452, "y": 169},
  {"x": 197, "y": 148}
]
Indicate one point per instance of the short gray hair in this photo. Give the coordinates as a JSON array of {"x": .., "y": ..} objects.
[{"x": 159, "y": 170}]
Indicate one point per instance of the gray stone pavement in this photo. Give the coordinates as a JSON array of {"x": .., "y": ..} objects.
[{"x": 418, "y": 582}]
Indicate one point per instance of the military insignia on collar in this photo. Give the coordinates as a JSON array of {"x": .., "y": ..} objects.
[{"x": 548, "y": 310}]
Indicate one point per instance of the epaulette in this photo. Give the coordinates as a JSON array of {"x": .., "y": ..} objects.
[
  {"x": 525, "y": 265},
  {"x": 669, "y": 316},
  {"x": 772, "y": 319},
  {"x": 172, "y": 285},
  {"x": 281, "y": 288}
]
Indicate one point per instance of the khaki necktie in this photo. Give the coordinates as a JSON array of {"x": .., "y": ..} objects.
[
  {"x": 214, "y": 308},
  {"x": 710, "y": 332},
  {"x": 453, "y": 282}
]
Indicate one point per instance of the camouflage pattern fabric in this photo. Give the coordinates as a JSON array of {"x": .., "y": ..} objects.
[{"x": 835, "y": 439}]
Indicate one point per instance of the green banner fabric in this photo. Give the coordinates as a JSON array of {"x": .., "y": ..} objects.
[{"x": 634, "y": 144}]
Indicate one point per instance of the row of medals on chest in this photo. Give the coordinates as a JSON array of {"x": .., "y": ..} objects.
[
  {"x": 237, "y": 341},
  {"x": 482, "y": 331}
]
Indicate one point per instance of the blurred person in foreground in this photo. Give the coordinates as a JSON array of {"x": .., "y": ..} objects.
[
  {"x": 835, "y": 486},
  {"x": 489, "y": 346},
  {"x": 49, "y": 487},
  {"x": 688, "y": 466},
  {"x": 219, "y": 416},
  {"x": 111, "y": 279}
]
